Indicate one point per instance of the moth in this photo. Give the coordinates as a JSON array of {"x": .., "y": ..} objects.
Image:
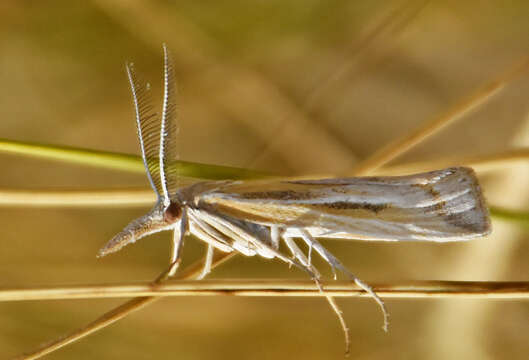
[{"x": 254, "y": 217}]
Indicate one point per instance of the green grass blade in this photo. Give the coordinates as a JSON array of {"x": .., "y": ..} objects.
[
  {"x": 133, "y": 163},
  {"x": 516, "y": 216},
  {"x": 118, "y": 161}
]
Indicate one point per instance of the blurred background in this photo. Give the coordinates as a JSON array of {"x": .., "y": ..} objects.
[{"x": 296, "y": 88}]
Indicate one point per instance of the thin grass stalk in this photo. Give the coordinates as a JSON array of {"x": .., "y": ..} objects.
[
  {"x": 428, "y": 129},
  {"x": 76, "y": 198},
  {"x": 519, "y": 217},
  {"x": 118, "y": 161},
  {"x": 480, "y": 163},
  {"x": 119, "y": 312},
  {"x": 509, "y": 290},
  {"x": 143, "y": 197}
]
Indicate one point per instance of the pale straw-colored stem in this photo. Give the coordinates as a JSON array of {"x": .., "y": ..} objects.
[
  {"x": 480, "y": 163},
  {"x": 508, "y": 290},
  {"x": 76, "y": 198},
  {"x": 429, "y": 128},
  {"x": 118, "y": 312},
  {"x": 143, "y": 197}
]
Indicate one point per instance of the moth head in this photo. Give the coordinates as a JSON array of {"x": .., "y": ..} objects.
[
  {"x": 160, "y": 218},
  {"x": 172, "y": 213}
]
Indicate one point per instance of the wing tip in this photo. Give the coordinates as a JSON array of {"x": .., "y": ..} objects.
[{"x": 475, "y": 222}]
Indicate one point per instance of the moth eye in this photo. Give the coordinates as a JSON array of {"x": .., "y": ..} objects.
[{"x": 172, "y": 213}]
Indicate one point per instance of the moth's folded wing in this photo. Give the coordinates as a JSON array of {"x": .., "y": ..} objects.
[{"x": 443, "y": 205}]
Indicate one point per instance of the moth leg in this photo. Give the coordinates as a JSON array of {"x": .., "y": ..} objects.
[
  {"x": 290, "y": 244},
  {"x": 301, "y": 262},
  {"x": 247, "y": 238},
  {"x": 326, "y": 255},
  {"x": 315, "y": 276},
  {"x": 216, "y": 242},
  {"x": 274, "y": 236},
  {"x": 310, "y": 254},
  {"x": 220, "y": 241},
  {"x": 335, "y": 263},
  {"x": 255, "y": 234},
  {"x": 177, "y": 244},
  {"x": 207, "y": 262},
  {"x": 298, "y": 254},
  {"x": 246, "y": 230},
  {"x": 238, "y": 242},
  {"x": 337, "y": 311}
]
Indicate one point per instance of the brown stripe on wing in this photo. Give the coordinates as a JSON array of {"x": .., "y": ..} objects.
[
  {"x": 439, "y": 204},
  {"x": 346, "y": 205},
  {"x": 277, "y": 195}
]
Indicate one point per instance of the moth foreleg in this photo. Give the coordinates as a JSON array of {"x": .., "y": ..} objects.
[
  {"x": 310, "y": 254},
  {"x": 197, "y": 231},
  {"x": 274, "y": 236},
  {"x": 222, "y": 242},
  {"x": 207, "y": 262},
  {"x": 177, "y": 243},
  {"x": 239, "y": 241}
]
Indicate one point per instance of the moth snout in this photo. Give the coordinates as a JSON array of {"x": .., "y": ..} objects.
[
  {"x": 148, "y": 224},
  {"x": 116, "y": 243},
  {"x": 172, "y": 213}
]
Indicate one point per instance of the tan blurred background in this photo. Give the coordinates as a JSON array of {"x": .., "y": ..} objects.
[{"x": 297, "y": 87}]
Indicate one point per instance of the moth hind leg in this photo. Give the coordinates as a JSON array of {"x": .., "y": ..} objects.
[
  {"x": 300, "y": 256},
  {"x": 336, "y": 264},
  {"x": 304, "y": 262}
]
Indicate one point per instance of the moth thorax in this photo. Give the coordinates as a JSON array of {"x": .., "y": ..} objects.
[{"x": 172, "y": 213}]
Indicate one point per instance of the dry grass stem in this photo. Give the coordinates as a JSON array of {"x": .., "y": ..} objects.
[
  {"x": 76, "y": 198},
  {"x": 415, "y": 137},
  {"x": 118, "y": 312},
  {"x": 144, "y": 197},
  {"x": 274, "y": 287},
  {"x": 481, "y": 163}
]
